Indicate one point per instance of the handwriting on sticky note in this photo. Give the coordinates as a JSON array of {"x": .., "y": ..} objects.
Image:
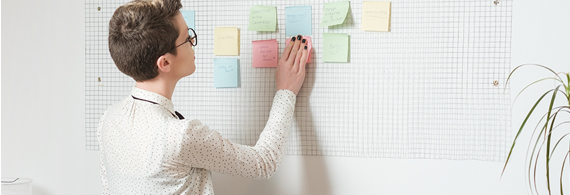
[
  {"x": 334, "y": 13},
  {"x": 225, "y": 68},
  {"x": 298, "y": 20},
  {"x": 376, "y": 16},
  {"x": 335, "y": 47},
  {"x": 226, "y": 72},
  {"x": 309, "y": 44},
  {"x": 265, "y": 53},
  {"x": 262, "y": 18},
  {"x": 226, "y": 41}
]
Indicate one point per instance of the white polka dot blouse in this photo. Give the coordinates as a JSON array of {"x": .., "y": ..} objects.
[{"x": 147, "y": 148}]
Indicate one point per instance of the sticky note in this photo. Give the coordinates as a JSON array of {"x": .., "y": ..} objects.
[
  {"x": 334, "y": 13},
  {"x": 262, "y": 18},
  {"x": 188, "y": 16},
  {"x": 376, "y": 16},
  {"x": 226, "y": 72},
  {"x": 335, "y": 47},
  {"x": 265, "y": 53},
  {"x": 226, "y": 41},
  {"x": 309, "y": 46},
  {"x": 298, "y": 20}
]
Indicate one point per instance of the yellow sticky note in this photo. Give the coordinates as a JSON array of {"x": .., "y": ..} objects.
[
  {"x": 376, "y": 16},
  {"x": 226, "y": 41}
]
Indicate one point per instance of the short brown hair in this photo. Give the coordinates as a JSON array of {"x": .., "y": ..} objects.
[{"x": 139, "y": 33}]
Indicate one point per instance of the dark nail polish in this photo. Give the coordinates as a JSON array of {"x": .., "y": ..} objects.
[
  {"x": 299, "y": 37},
  {"x": 293, "y": 39},
  {"x": 304, "y": 40},
  {"x": 305, "y": 45}
]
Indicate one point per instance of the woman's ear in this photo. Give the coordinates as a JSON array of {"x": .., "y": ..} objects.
[{"x": 163, "y": 64}]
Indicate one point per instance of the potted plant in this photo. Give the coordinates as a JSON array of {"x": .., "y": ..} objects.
[{"x": 550, "y": 138}]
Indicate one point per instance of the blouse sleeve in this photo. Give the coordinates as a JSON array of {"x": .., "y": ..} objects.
[{"x": 205, "y": 148}]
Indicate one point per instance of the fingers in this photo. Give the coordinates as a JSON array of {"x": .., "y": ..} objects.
[
  {"x": 298, "y": 57},
  {"x": 287, "y": 50},
  {"x": 304, "y": 57},
  {"x": 295, "y": 48}
]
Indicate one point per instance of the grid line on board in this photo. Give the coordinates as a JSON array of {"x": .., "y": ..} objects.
[{"x": 426, "y": 89}]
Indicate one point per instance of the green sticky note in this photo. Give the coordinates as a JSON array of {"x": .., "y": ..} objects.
[
  {"x": 335, "y": 47},
  {"x": 262, "y": 18},
  {"x": 334, "y": 13}
]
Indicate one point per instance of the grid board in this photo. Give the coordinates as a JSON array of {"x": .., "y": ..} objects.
[{"x": 432, "y": 87}]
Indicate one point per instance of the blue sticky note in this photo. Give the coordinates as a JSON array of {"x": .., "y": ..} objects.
[
  {"x": 298, "y": 20},
  {"x": 226, "y": 72},
  {"x": 188, "y": 16}
]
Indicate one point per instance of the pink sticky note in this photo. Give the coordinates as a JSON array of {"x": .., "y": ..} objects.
[
  {"x": 265, "y": 53},
  {"x": 309, "y": 46}
]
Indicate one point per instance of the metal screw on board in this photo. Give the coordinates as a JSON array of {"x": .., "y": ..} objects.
[
  {"x": 496, "y": 2},
  {"x": 496, "y": 83},
  {"x": 98, "y": 8}
]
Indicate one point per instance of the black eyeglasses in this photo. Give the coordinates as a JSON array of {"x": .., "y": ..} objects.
[{"x": 191, "y": 38}]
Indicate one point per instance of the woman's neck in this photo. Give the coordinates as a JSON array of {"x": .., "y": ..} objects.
[{"x": 158, "y": 85}]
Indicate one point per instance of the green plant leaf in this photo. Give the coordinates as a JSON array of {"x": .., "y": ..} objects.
[
  {"x": 560, "y": 109},
  {"x": 521, "y": 127},
  {"x": 558, "y": 142},
  {"x": 548, "y": 125},
  {"x": 531, "y": 158},
  {"x": 535, "y": 163},
  {"x": 567, "y": 87},
  {"x": 549, "y": 136},
  {"x": 562, "y": 173},
  {"x": 537, "y": 81},
  {"x": 542, "y": 66},
  {"x": 531, "y": 155}
]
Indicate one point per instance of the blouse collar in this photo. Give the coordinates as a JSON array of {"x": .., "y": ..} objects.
[{"x": 152, "y": 97}]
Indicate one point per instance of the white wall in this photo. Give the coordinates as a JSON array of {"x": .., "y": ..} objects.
[{"x": 43, "y": 114}]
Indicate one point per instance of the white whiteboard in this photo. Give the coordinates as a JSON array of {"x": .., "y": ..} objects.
[{"x": 432, "y": 87}]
